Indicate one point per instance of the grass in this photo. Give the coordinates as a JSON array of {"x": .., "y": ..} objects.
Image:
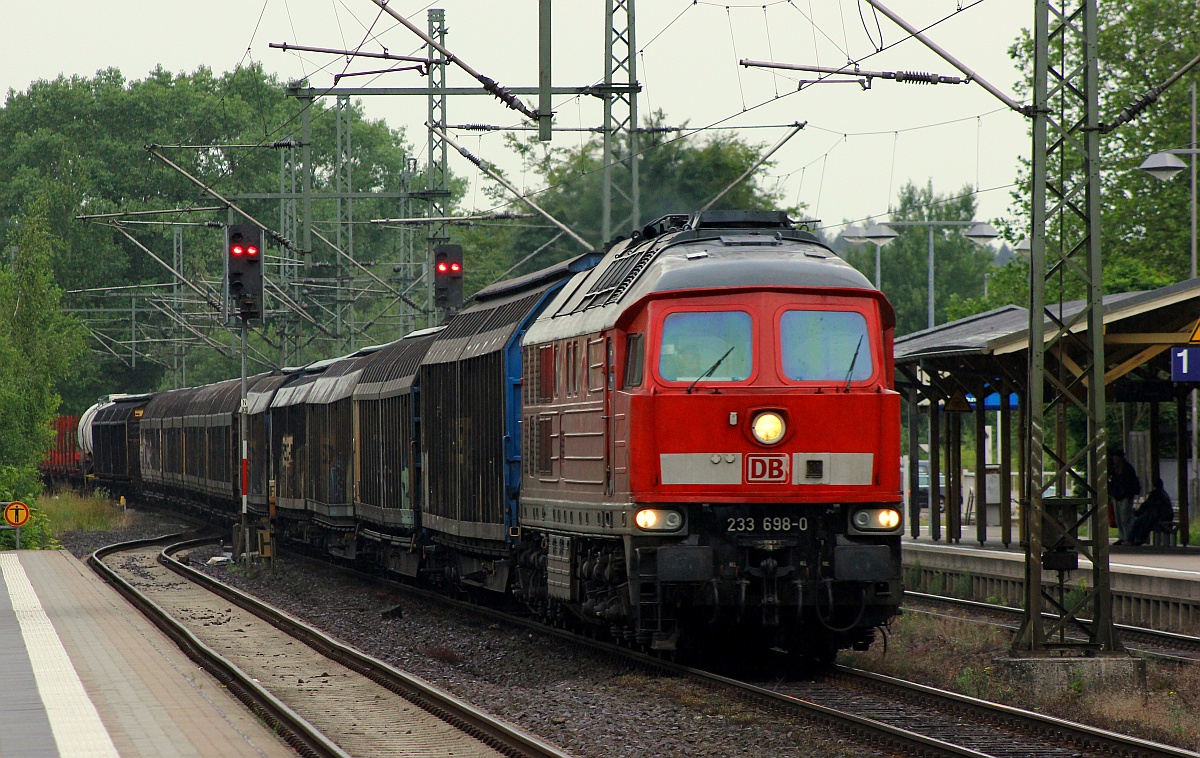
[
  {"x": 959, "y": 655},
  {"x": 70, "y": 511}
]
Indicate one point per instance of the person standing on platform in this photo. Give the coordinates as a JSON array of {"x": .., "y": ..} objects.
[{"x": 1123, "y": 487}]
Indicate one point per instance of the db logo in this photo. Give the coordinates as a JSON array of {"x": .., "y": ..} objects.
[{"x": 767, "y": 468}]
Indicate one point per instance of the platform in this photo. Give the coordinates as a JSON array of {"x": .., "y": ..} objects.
[
  {"x": 85, "y": 674},
  {"x": 1151, "y": 586}
]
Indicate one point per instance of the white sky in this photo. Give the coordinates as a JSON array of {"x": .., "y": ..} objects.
[{"x": 859, "y": 146}]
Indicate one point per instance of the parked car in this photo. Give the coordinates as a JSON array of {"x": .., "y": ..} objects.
[{"x": 923, "y": 486}]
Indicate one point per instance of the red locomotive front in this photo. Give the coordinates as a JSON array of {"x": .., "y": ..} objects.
[{"x": 739, "y": 459}]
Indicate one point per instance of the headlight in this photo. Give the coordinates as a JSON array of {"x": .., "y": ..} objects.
[
  {"x": 876, "y": 519},
  {"x": 768, "y": 427},
  {"x": 658, "y": 520}
]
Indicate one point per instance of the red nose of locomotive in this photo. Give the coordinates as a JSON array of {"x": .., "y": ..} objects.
[{"x": 770, "y": 446}]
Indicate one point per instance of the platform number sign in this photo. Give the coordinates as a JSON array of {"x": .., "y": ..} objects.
[
  {"x": 1185, "y": 364},
  {"x": 16, "y": 514}
]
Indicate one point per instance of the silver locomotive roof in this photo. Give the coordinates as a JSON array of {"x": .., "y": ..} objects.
[{"x": 729, "y": 251}]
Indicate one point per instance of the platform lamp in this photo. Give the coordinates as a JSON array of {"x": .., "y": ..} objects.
[
  {"x": 1165, "y": 165},
  {"x": 880, "y": 234}
]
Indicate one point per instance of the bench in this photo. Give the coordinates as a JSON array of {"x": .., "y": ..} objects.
[{"x": 1166, "y": 533}]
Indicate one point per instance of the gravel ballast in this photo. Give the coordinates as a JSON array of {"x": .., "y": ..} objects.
[{"x": 582, "y": 701}]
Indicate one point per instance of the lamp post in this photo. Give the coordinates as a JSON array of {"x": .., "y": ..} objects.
[
  {"x": 1165, "y": 165},
  {"x": 881, "y": 234}
]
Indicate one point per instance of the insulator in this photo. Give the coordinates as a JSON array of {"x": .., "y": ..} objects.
[{"x": 919, "y": 77}]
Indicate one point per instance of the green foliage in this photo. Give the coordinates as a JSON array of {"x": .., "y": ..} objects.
[
  {"x": 79, "y": 143},
  {"x": 37, "y": 534},
  {"x": 37, "y": 344},
  {"x": 959, "y": 263},
  {"x": 1145, "y": 233},
  {"x": 1145, "y": 236},
  {"x": 23, "y": 483},
  {"x": 71, "y": 511},
  {"x": 964, "y": 586},
  {"x": 676, "y": 175},
  {"x": 19, "y": 482},
  {"x": 974, "y": 682}
]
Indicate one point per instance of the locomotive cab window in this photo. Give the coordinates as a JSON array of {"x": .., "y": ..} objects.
[
  {"x": 715, "y": 345},
  {"x": 825, "y": 346},
  {"x": 635, "y": 359}
]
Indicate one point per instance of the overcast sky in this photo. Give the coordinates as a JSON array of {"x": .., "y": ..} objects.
[{"x": 859, "y": 148}]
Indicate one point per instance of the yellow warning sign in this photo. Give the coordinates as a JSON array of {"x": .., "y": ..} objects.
[
  {"x": 16, "y": 514},
  {"x": 1195, "y": 338},
  {"x": 958, "y": 403}
]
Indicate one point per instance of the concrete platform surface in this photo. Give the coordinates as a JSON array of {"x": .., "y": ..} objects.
[
  {"x": 1158, "y": 587},
  {"x": 1181, "y": 559},
  {"x": 85, "y": 674}
]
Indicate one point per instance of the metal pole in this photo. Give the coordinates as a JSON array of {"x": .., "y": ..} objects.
[
  {"x": 878, "y": 247},
  {"x": 761, "y": 160},
  {"x": 930, "y": 276},
  {"x": 243, "y": 416},
  {"x": 486, "y": 168},
  {"x": 1195, "y": 402},
  {"x": 545, "y": 104},
  {"x": 947, "y": 57}
]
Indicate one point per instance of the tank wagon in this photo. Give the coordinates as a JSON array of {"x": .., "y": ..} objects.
[{"x": 690, "y": 436}]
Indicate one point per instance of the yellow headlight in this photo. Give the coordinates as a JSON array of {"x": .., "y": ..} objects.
[
  {"x": 658, "y": 520},
  {"x": 877, "y": 519},
  {"x": 767, "y": 427}
]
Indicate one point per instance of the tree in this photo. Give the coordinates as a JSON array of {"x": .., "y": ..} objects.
[
  {"x": 80, "y": 142},
  {"x": 1145, "y": 236},
  {"x": 678, "y": 174},
  {"x": 959, "y": 264},
  {"x": 37, "y": 344}
]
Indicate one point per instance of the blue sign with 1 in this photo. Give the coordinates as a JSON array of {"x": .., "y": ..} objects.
[{"x": 1185, "y": 364}]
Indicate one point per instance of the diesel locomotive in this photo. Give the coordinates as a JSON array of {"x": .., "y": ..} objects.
[{"x": 690, "y": 440}]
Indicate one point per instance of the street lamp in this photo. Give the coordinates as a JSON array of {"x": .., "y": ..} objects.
[
  {"x": 881, "y": 234},
  {"x": 855, "y": 233},
  {"x": 1165, "y": 165}
]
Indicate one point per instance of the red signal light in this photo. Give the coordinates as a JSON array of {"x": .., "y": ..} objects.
[
  {"x": 442, "y": 267},
  {"x": 252, "y": 251},
  {"x": 455, "y": 267},
  {"x": 236, "y": 250}
]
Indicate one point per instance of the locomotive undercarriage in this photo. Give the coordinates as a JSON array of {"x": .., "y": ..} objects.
[{"x": 808, "y": 595}]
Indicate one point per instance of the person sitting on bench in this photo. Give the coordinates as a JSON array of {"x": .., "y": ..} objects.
[{"x": 1154, "y": 510}]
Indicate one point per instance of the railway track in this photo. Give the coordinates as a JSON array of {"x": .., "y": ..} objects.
[
  {"x": 324, "y": 698},
  {"x": 888, "y": 713},
  {"x": 1167, "y": 646},
  {"x": 971, "y": 726}
]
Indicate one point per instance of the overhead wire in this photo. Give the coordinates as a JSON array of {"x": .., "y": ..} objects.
[
  {"x": 867, "y": 29},
  {"x": 733, "y": 40},
  {"x": 719, "y": 124},
  {"x": 770, "y": 47}
]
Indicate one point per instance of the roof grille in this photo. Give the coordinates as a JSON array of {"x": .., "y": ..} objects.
[{"x": 620, "y": 276}]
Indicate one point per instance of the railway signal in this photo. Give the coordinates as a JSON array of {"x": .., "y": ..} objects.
[
  {"x": 244, "y": 253},
  {"x": 448, "y": 278}
]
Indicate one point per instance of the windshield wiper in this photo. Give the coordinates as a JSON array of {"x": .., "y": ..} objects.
[
  {"x": 850, "y": 373},
  {"x": 711, "y": 369}
]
